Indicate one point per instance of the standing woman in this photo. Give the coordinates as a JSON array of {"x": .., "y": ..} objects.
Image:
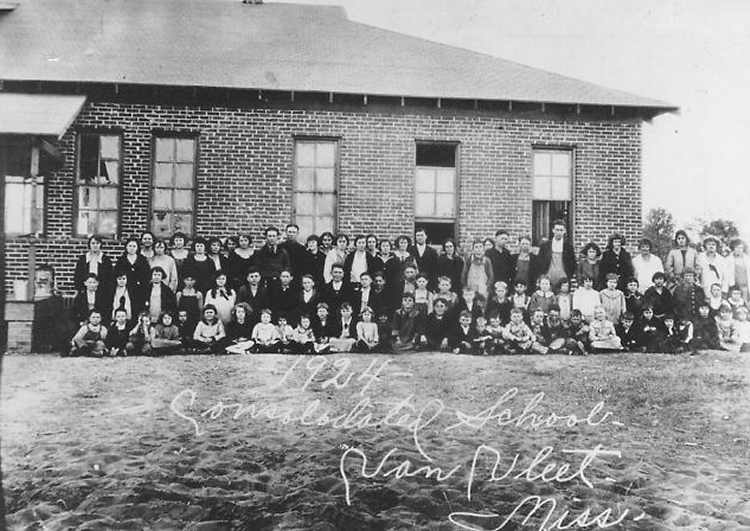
[
  {"x": 402, "y": 254},
  {"x": 615, "y": 259},
  {"x": 179, "y": 252},
  {"x": 372, "y": 250},
  {"x": 391, "y": 272},
  {"x": 215, "y": 256},
  {"x": 147, "y": 244},
  {"x": 325, "y": 243},
  {"x": 136, "y": 267},
  {"x": 240, "y": 260},
  {"x": 588, "y": 265},
  {"x": 682, "y": 257},
  {"x": 167, "y": 263},
  {"x": 451, "y": 265},
  {"x": 94, "y": 261},
  {"x": 201, "y": 266},
  {"x": 337, "y": 255},
  {"x": 738, "y": 268}
]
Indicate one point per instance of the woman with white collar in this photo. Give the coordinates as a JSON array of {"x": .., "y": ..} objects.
[{"x": 93, "y": 261}]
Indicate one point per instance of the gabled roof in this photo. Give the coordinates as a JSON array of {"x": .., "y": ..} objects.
[{"x": 225, "y": 43}]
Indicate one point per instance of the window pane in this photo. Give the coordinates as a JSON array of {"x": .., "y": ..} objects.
[
  {"x": 305, "y": 179},
  {"x": 184, "y": 176},
  {"x": 305, "y": 154},
  {"x": 87, "y": 197},
  {"x": 110, "y": 147},
  {"x": 446, "y": 180},
  {"x": 161, "y": 224},
  {"x": 326, "y": 154},
  {"x": 424, "y": 180},
  {"x": 325, "y": 204},
  {"x": 165, "y": 149},
  {"x": 107, "y": 223},
  {"x": 163, "y": 174},
  {"x": 561, "y": 163},
  {"x": 89, "y": 163},
  {"x": 183, "y": 222},
  {"x": 324, "y": 224},
  {"x": 17, "y": 208},
  {"x": 185, "y": 149},
  {"x": 306, "y": 225},
  {"x": 108, "y": 198},
  {"x": 444, "y": 205},
  {"x": 542, "y": 163},
  {"x": 305, "y": 206},
  {"x": 18, "y": 160},
  {"x": 560, "y": 189},
  {"x": 325, "y": 180},
  {"x": 542, "y": 188},
  {"x": 162, "y": 199},
  {"x": 424, "y": 205},
  {"x": 110, "y": 171},
  {"x": 183, "y": 200},
  {"x": 86, "y": 220}
]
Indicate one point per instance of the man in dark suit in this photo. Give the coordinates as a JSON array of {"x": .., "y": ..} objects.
[
  {"x": 502, "y": 260},
  {"x": 271, "y": 258},
  {"x": 253, "y": 294},
  {"x": 425, "y": 256},
  {"x": 92, "y": 297},
  {"x": 337, "y": 291},
  {"x": 296, "y": 252},
  {"x": 283, "y": 297}
]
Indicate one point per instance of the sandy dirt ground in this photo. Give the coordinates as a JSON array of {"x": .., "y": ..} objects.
[{"x": 371, "y": 442}]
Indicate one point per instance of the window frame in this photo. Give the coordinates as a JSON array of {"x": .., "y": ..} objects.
[
  {"x": 555, "y": 148},
  {"x": 305, "y": 139},
  {"x": 195, "y": 137},
  {"x": 6, "y": 144},
  {"x": 418, "y": 220},
  {"x": 80, "y": 133}
]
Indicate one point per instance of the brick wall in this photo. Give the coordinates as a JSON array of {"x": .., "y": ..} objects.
[{"x": 245, "y": 171}]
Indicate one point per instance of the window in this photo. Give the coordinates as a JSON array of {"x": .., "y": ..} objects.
[
  {"x": 98, "y": 184},
  {"x": 552, "y": 191},
  {"x": 24, "y": 195},
  {"x": 435, "y": 184},
  {"x": 315, "y": 186},
  {"x": 173, "y": 186}
]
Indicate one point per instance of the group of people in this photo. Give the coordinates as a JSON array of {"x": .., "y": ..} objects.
[{"x": 333, "y": 294}]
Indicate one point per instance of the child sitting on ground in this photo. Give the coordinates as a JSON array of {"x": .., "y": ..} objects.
[
  {"x": 346, "y": 330},
  {"x": 715, "y": 298},
  {"x": 483, "y": 340},
  {"x": 705, "y": 332},
  {"x": 649, "y": 331},
  {"x": 323, "y": 328},
  {"x": 239, "y": 330},
  {"x": 165, "y": 336},
  {"x": 367, "y": 332},
  {"x": 742, "y": 325},
  {"x": 673, "y": 342},
  {"x": 517, "y": 335},
  {"x": 626, "y": 331},
  {"x": 406, "y": 325},
  {"x": 463, "y": 341},
  {"x": 612, "y": 299},
  {"x": 438, "y": 329},
  {"x": 139, "y": 340},
  {"x": 285, "y": 333},
  {"x": 303, "y": 338},
  {"x": 265, "y": 335},
  {"x": 578, "y": 330},
  {"x": 118, "y": 333},
  {"x": 735, "y": 299},
  {"x": 539, "y": 329},
  {"x": 209, "y": 332},
  {"x": 602, "y": 334},
  {"x": 729, "y": 339},
  {"x": 89, "y": 340},
  {"x": 496, "y": 345},
  {"x": 499, "y": 304}
]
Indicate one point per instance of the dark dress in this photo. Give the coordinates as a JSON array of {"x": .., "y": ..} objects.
[
  {"x": 452, "y": 268},
  {"x": 237, "y": 268},
  {"x": 203, "y": 272},
  {"x": 138, "y": 273},
  {"x": 190, "y": 304},
  {"x": 105, "y": 274},
  {"x": 619, "y": 263}
]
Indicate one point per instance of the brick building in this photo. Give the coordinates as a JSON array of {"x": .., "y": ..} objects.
[{"x": 217, "y": 117}]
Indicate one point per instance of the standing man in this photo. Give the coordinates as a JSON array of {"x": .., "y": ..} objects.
[
  {"x": 295, "y": 250},
  {"x": 738, "y": 268},
  {"x": 502, "y": 260},
  {"x": 645, "y": 265},
  {"x": 425, "y": 256},
  {"x": 557, "y": 259},
  {"x": 271, "y": 259}
]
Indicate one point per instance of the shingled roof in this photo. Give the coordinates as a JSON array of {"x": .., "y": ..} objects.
[{"x": 225, "y": 43}]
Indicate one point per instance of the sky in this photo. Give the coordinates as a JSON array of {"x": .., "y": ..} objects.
[{"x": 690, "y": 53}]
